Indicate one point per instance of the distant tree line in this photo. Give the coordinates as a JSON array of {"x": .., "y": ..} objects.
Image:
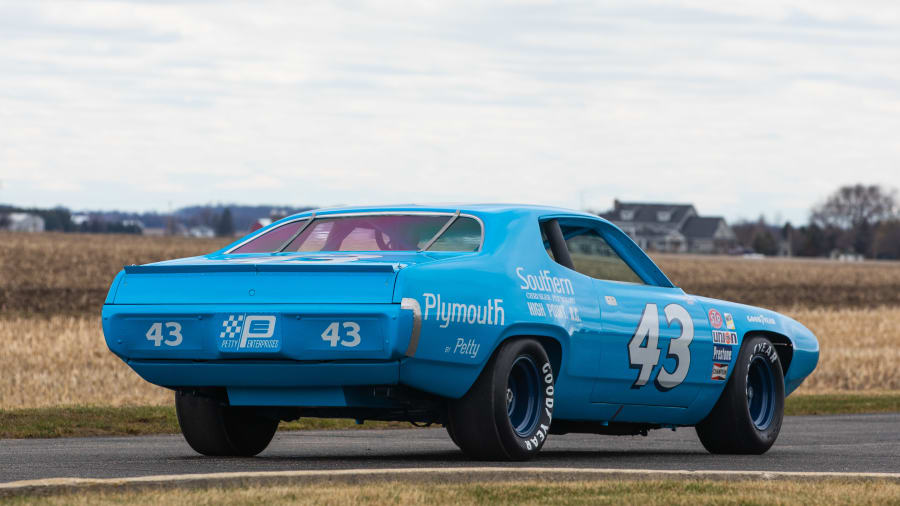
[
  {"x": 223, "y": 220},
  {"x": 856, "y": 219}
]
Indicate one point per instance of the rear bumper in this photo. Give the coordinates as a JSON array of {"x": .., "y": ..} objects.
[
  {"x": 279, "y": 383},
  {"x": 297, "y": 332},
  {"x": 268, "y": 374}
]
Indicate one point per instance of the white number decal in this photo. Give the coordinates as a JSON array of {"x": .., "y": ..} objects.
[
  {"x": 333, "y": 336},
  {"x": 174, "y": 329},
  {"x": 155, "y": 334},
  {"x": 352, "y": 331},
  {"x": 679, "y": 348},
  {"x": 646, "y": 357}
]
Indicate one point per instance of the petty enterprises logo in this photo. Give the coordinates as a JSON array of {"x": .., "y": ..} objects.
[{"x": 248, "y": 332}]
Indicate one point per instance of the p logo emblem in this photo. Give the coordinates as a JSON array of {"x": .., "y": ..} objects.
[
  {"x": 257, "y": 327},
  {"x": 243, "y": 332}
]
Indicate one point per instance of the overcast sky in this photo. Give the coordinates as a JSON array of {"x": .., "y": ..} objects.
[{"x": 739, "y": 107}]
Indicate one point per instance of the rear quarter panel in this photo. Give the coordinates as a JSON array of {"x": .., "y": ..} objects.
[{"x": 471, "y": 304}]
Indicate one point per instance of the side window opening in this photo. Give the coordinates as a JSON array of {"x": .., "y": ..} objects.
[
  {"x": 546, "y": 242},
  {"x": 557, "y": 240},
  {"x": 588, "y": 253}
]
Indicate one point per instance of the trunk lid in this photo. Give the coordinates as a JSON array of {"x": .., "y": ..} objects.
[{"x": 276, "y": 278}]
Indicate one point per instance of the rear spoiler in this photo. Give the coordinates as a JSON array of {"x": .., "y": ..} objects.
[{"x": 256, "y": 268}]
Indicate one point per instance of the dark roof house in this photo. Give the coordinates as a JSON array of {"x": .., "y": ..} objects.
[{"x": 675, "y": 228}]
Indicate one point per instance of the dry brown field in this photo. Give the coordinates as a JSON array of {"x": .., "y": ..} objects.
[
  {"x": 55, "y": 273},
  {"x": 70, "y": 274},
  {"x": 63, "y": 360},
  {"x": 52, "y": 287},
  {"x": 786, "y": 282}
]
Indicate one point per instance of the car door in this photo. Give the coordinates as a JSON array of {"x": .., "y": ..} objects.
[
  {"x": 651, "y": 338},
  {"x": 651, "y": 342}
]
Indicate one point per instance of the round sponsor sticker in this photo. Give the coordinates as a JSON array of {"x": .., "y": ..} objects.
[{"x": 715, "y": 319}]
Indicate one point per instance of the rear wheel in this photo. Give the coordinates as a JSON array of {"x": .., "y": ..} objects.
[
  {"x": 506, "y": 414},
  {"x": 212, "y": 427},
  {"x": 747, "y": 418},
  {"x": 448, "y": 425}
]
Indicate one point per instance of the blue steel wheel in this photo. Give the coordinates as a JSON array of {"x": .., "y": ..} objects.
[
  {"x": 506, "y": 414},
  {"x": 523, "y": 392},
  {"x": 760, "y": 392},
  {"x": 747, "y": 417}
]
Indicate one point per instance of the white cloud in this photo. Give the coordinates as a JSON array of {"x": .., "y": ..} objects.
[{"x": 741, "y": 107}]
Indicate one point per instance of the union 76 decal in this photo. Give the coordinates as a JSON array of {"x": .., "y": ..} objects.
[{"x": 646, "y": 357}]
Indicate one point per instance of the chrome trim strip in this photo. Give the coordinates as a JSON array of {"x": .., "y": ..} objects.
[
  {"x": 299, "y": 231},
  {"x": 440, "y": 232},
  {"x": 411, "y": 304}
]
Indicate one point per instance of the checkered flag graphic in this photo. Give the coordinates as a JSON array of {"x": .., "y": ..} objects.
[{"x": 231, "y": 327}]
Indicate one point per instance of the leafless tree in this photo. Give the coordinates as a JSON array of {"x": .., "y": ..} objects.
[{"x": 856, "y": 206}]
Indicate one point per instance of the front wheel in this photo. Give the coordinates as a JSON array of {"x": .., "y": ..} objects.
[
  {"x": 747, "y": 418},
  {"x": 506, "y": 414},
  {"x": 212, "y": 427}
]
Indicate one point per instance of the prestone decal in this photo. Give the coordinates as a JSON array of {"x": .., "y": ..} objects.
[
  {"x": 454, "y": 312},
  {"x": 722, "y": 353}
]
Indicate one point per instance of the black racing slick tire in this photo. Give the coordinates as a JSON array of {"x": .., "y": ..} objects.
[
  {"x": 747, "y": 418},
  {"x": 506, "y": 414},
  {"x": 213, "y": 428},
  {"x": 449, "y": 427}
]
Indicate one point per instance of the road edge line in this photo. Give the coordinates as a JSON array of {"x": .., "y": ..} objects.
[{"x": 444, "y": 474}]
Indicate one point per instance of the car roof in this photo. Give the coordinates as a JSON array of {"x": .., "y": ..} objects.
[{"x": 481, "y": 209}]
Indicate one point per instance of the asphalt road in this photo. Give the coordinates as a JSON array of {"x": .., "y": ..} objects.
[{"x": 852, "y": 443}]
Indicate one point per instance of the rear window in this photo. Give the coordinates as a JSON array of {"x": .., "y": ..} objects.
[
  {"x": 369, "y": 233},
  {"x": 272, "y": 240},
  {"x": 463, "y": 235}
]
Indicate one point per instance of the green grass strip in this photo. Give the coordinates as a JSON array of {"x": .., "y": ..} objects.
[
  {"x": 842, "y": 404},
  {"x": 82, "y": 421}
]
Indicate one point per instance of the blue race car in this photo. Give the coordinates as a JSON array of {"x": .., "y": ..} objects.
[{"x": 493, "y": 320}]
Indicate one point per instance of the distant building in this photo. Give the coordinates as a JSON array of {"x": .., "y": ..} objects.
[
  {"x": 260, "y": 223},
  {"x": 672, "y": 228},
  {"x": 25, "y": 222},
  {"x": 155, "y": 231},
  {"x": 201, "y": 231},
  {"x": 80, "y": 219},
  {"x": 138, "y": 224}
]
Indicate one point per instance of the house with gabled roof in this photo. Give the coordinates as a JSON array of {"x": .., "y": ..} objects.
[{"x": 672, "y": 228}]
